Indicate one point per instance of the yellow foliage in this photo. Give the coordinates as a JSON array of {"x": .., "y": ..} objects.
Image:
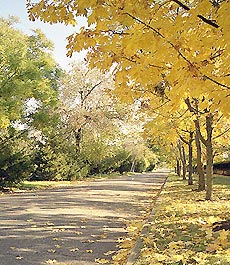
[
  {"x": 186, "y": 225},
  {"x": 148, "y": 36}
]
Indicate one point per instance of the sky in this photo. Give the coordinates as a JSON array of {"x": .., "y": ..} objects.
[{"x": 57, "y": 33}]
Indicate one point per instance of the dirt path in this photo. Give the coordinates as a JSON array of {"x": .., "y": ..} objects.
[{"x": 74, "y": 225}]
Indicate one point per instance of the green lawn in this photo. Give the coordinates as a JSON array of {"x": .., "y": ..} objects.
[{"x": 222, "y": 180}]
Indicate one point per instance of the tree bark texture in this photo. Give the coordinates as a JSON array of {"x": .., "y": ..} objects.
[
  {"x": 78, "y": 137},
  {"x": 133, "y": 166},
  {"x": 200, "y": 167},
  {"x": 190, "y": 168},
  {"x": 182, "y": 158},
  {"x": 184, "y": 169},
  {"x": 178, "y": 167},
  {"x": 209, "y": 157}
]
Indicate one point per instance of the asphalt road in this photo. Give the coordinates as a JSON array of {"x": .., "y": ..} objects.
[{"x": 74, "y": 225}]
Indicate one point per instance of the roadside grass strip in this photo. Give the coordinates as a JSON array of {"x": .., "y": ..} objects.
[{"x": 182, "y": 230}]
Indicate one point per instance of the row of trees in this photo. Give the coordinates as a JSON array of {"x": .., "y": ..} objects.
[
  {"x": 171, "y": 56},
  {"x": 57, "y": 124}
]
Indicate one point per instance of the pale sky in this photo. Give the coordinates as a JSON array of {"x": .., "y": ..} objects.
[{"x": 57, "y": 33}]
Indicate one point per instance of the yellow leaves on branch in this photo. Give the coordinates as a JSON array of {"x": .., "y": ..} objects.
[
  {"x": 149, "y": 41},
  {"x": 53, "y": 12}
]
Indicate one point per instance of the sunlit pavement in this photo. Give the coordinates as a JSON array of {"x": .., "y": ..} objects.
[{"x": 74, "y": 225}]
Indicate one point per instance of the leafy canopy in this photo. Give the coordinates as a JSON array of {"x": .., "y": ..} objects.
[
  {"x": 27, "y": 71},
  {"x": 182, "y": 45}
]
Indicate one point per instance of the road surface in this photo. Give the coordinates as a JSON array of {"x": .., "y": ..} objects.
[{"x": 75, "y": 225}]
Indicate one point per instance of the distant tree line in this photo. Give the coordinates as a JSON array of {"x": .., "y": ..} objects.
[{"x": 61, "y": 125}]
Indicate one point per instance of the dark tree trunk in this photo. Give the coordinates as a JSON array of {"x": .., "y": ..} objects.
[
  {"x": 209, "y": 157},
  {"x": 178, "y": 167},
  {"x": 184, "y": 169},
  {"x": 183, "y": 159},
  {"x": 200, "y": 167},
  {"x": 78, "y": 137},
  {"x": 190, "y": 168}
]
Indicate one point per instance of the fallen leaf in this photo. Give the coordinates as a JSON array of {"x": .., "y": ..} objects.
[
  {"x": 74, "y": 249},
  {"x": 213, "y": 247},
  {"x": 109, "y": 253},
  {"x": 103, "y": 236},
  {"x": 223, "y": 237},
  {"x": 78, "y": 233},
  {"x": 102, "y": 261},
  {"x": 51, "y": 261},
  {"x": 57, "y": 246},
  {"x": 51, "y": 250}
]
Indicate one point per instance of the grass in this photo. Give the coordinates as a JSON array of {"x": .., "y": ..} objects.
[
  {"x": 40, "y": 185},
  {"x": 181, "y": 232},
  {"x": 222, "y": 180}
]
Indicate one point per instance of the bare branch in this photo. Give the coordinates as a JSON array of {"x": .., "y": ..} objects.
[
  {"x": 190, "y": 107},
  {"x": 181, "y": 5},
  {"x": 89, "y": 92},
  {"x": 208, "y": 21}
]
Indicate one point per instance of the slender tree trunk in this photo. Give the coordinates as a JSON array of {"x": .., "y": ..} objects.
[
  {"x": 182, "y": 158},
  {"x": 184, "y": 169},
  {"x": 190, "y": 169},
  {"x": 200, "y": 167},
  {"x": 78, "y": 137},
  {"x": 133, "y": 166},
  {"x": 209, "y": 157},
  {"x": 178, "y": 167}
]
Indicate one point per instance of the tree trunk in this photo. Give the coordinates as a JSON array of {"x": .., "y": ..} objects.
[
  {"x": 200, "y": 167},
  {"x": 190, "y": 169},
  {"x": 184, "y": 170},
  {"x": 178, "y": 167},
  {"x": 78, "y": 136},
  {"x": 209, "y": 157},
  {"x": 183, "y": 159},
  {"x": 133, "y": 166}
]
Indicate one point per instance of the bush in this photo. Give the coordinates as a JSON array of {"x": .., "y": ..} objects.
[
  {"x": 14, "y": 167},
  {"x": 140, "y": 166}
]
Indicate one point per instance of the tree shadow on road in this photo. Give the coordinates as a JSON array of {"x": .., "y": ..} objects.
[{"x": 74, "y": 225}]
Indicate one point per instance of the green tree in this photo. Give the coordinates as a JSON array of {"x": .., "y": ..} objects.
[{"x": 28, "y": 91}]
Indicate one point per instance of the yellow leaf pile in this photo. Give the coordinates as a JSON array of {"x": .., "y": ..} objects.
[{"x": 181, "y": 231}]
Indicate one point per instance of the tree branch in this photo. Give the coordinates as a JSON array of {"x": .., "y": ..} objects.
[
  {"x": 205, "y": 20},
  {"x": 197, "y": 124},
  {"x": 89, "y": 92},
  {"x": 177, "y": 50},
  {"x": 221, "y": 133},
  {"x": 216, "y": 82},
  {"x": 190, "y": 107},
  {"x": 183, "y": 140},
  {"x": 208, "y": 21}
]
